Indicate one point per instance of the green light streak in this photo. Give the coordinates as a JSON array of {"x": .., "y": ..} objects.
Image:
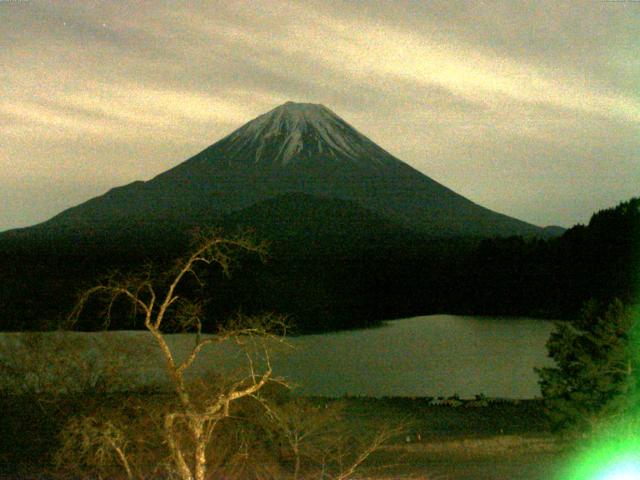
[
  {"x": 612, "y": 459},
  {"x": 613, "y": 453}
]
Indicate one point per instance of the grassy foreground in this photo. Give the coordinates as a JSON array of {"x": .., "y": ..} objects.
[
  {"x": 499, "y": 440},
  {"x": 493, "y": 440}
]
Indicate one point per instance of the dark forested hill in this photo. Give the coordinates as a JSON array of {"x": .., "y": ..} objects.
[{"x": 370, "y": 269}]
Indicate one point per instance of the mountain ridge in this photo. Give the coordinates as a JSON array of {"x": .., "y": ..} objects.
[{"x": 295, "y": 147}]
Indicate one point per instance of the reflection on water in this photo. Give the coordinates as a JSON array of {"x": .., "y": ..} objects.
[
  {"x": 436, "y": 355},
  {"x": 432, "y": 355}
]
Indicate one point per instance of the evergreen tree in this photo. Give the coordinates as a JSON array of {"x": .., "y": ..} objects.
[{"x": 596, "y": 372}]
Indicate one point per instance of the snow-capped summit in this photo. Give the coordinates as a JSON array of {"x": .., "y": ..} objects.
[{"x": 295, "y": 132}]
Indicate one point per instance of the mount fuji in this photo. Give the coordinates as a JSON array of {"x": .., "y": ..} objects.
[
  {"x": 296, "y": 148},
  {"x": 355, "y": 234}
]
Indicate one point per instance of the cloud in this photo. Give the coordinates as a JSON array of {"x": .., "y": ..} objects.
[
  {"x": 371, "y": 48},
  {"x": 137, "y": 104},
  {"x": 470, "y": 93},
  {"x": 280, "y": 50}
]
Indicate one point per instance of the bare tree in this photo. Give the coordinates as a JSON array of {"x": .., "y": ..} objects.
[
  {"x": 320, "y": 439},
  {"x": 307, "y": 429},
  {"x": 196, "y": 415},
  {"x": 199, "y": 413}
]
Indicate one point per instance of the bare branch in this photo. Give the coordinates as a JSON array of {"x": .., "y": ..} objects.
[
  {"x": 183, "y": 469},
  {"x": 378, "y": 440},
  {"x": 188, "y": 361}
]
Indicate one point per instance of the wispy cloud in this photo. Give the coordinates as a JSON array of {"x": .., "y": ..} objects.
[
  {"x": 473, "y": 94},
  {"x": 367, "y": 48}
]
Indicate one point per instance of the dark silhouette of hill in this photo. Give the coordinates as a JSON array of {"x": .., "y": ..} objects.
[
  {"x": 358, "y": 279},
  {"x": 324, "y": 226}
]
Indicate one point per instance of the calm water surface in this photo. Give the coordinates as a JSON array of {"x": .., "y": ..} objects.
[
  {"x": 431, "y": 355},
  {"x": 436, "y": 355}
]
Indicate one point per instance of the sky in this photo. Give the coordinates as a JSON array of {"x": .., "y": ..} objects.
[{"x": 530, "y": 108}]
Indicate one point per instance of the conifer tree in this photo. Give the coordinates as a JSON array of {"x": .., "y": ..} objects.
[{"x": 597, "y": 364}]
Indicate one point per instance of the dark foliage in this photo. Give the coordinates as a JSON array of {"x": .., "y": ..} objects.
[
  {"x": 348, "y": 276},
  {"x": 31, "y": 431},
  {"x": 596, "y": 373}
]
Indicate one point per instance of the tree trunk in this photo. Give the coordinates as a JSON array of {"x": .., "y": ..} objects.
[
  {"x": 200, "y": 449},
  {"x": 183, "y": 469},
  {"x": 296, "y": 470}
]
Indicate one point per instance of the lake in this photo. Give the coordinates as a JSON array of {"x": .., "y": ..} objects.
[{"x": 435, "y": 355}]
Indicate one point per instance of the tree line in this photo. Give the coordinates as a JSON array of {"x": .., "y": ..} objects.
[{"x": 348, "y": 282}]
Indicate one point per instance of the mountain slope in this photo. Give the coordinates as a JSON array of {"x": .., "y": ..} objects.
[
  {"x": 302, "y": 223},
  {"x": 293, "y": 148}
]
